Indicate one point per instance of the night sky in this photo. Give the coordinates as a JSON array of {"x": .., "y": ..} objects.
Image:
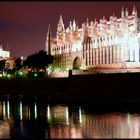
[{"x": 23, "y": 25}]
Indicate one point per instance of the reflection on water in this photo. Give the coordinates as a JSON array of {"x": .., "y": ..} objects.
[{"x": 32, "y": 119}]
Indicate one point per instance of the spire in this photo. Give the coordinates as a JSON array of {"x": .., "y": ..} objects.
[
  {"x": 126, "y": 12},
  {"x": 87, "y": 23},
  {"x": 1, "y": 47},
  {"x": 60, "y": 20},
  {"x": 60, "y": 27},
  {"x": 74, "y": 25},
  {"x": 95, "y": 22},
  {"x": 48, "y": 41},
  {"x": 122, "y": 12},
  {"x": 70, "y": 25},
  {"x": 134, "y": 11}
]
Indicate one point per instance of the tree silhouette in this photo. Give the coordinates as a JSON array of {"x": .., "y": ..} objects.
[
  {"x": 17, "y": 66},
  {"x": 38, "y": 60},
  {"x": 2, "y": 65}
]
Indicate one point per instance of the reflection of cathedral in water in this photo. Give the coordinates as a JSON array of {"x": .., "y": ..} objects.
[
  {"x": 66, "y": 122},
  {"x": 112, "y": 126},
  {"x": 58, "y": 117},
  {"x": 107, "y": 43}
]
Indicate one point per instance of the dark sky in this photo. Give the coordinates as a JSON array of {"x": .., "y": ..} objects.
[{"x": 23, "y": 25}]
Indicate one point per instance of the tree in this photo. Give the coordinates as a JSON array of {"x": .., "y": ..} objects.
[
  {"x": 17, "y": 67},
  {"x": 18, "y": 64},
  {"x": 39, "y": 60},
  {"x": 2, "y": 65}
]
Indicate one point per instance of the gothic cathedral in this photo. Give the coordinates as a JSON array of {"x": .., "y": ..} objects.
[{"x": 105, "y": 44}]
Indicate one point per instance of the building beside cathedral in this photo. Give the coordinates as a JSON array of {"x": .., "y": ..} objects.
[
  {"x": 3, "y": 53},
  {"x": 113, "y": 43}
]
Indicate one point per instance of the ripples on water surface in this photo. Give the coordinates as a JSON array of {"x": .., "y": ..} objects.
[{"x": 39, "y": 119}]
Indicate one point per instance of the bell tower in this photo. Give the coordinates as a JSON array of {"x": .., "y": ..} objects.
[{"x": 48, "y": 41}]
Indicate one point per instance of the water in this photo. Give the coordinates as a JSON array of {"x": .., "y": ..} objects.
[{"x": 35, "y": 118}]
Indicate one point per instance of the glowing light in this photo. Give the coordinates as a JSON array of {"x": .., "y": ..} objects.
[
  {"x": 67, "y": 116},
  {"x": 8, "y": 75},
  {"x": 48, "y": 112},
  {"x": 4, "y": 74},
  {"x": 35, "y": 109},
  {"x": 80, "y": 116},
  {"x": 35, "y": 74},
  {"x": 8, "y": 110},
  {"x": 4, "y": 112},
  {"x": 129, "y": 119},
  {"x": 20, "y": 109},
  {"x": 20, "y": 73}
]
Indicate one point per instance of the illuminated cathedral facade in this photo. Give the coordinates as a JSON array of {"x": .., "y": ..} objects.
[{"x": 103, "y": 43}]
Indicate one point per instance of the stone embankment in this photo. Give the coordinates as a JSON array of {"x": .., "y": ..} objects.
[{"x": 103, "y": 88}]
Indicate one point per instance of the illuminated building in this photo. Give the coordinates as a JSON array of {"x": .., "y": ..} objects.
[
  {"x": 113, "y": 43},
  {"x": 3, "y": 53}
]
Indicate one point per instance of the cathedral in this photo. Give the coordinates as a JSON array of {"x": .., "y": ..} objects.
[{"x": 113, "y": 43}]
